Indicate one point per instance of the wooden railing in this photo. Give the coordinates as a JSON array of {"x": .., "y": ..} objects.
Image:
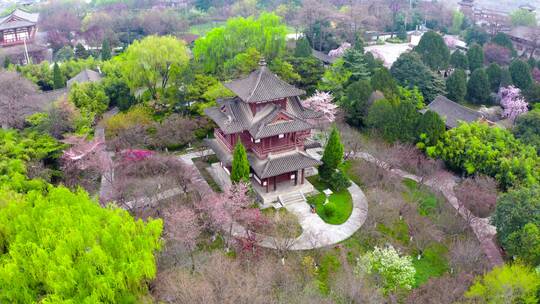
[
  {"x": 218, "y": 135},
  {"x": 263, "y": 152}
]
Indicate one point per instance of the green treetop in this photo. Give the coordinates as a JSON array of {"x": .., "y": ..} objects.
[
  {"x": 478, "y": 87},
  {"x": 521, "y": 74},
  {"x": 494, "y": 73},
  {"x": 506, "y": 284},
  {"x": 106, "y": 50},
  {"x": 303, "y": 49},
  {"x": 58, "y": 79},
  {"x": 382, "y": 80},
  {"x": 240, "y": 164},
  {"x": 353, "y": 61},
  {"x": 433, "y": 51},
  {"x": 459, "y": 60},
  {"x": 64, "y": 247},
  {"x": 523, "y": 17},
  {"x": 332, "y": 156},
  {"x": 456, "y": 86},
  {"x": 475, "y": 55}
]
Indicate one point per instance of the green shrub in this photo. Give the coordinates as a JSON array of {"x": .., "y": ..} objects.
[{"x": 338, "y": 181}]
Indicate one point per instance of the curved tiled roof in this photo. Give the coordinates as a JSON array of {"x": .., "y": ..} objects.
[
  {"x": 234, "y": 116},
  {"x": 281, "y": 163},
  {"x": 453, "y": 112},
  {"x": 262, "y": 85},
  {"x": 85, "y": 75}
]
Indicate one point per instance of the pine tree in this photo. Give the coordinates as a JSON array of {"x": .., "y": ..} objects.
[
  {"x": 354, "y": 62},
  {"x": 105, "y": 50},
  {"x": 459, "y": 60},
  {"x": 506, "y": 78},
  {"x": 521, "y": 74},
  {"x": 80, "y": 52},
  {"x": 475, "y": 54},
  {"x": 240, "y": 164},
  {"x": 456, "y": 86},
  {"x": 478, "y": 87},
  {"x": 303, "y": 49},
  {"x": 58, "y": 79},
  {"x": 433, "y": 51},
  {"x": 382, "y": 80},
  {"x": 332, "y": 156},
  {"x": 494, "y": 73}
]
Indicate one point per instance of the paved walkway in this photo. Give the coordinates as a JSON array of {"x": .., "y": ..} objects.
[
  {"x": 315, "y": 232},
  {"x": 106, "y": 186},
  {"x": 484, "y": 231}
]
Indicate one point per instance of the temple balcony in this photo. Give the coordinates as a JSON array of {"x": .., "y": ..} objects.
[{"x": 218, "y": 134}]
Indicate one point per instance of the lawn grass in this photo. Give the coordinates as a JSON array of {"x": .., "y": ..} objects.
[
  {"x": 427, "y": 201},
  {"x": 398, "y": 231},
  {"x": 433, "y": 263},
  {"x": 339, "y": 206}
]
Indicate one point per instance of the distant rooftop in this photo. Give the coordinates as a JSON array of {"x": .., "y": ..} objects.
[
  {"x": 85, "y": 75},
  {"x": 453, "y": 112}
]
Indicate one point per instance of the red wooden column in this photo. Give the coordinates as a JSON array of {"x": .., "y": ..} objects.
[
  {"x": 275, "y": 183},
  {"x": 296, "y": 178},
  {"x": 267, "y": 182},
  {"x": 302, "y": 180}
]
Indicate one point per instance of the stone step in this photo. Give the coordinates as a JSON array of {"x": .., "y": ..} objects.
[{"x": 291, "y": 198}]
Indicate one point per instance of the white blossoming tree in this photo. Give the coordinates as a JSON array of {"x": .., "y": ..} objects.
[
  {"x": 512, "y": 102},
  {"x": 340, "y": 51},
  {"x": 396, "y": 271},
  {"x": 322, "y": 102}
]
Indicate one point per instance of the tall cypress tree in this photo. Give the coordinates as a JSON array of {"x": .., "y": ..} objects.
[
  {"x": 475, "y": 54},
  {"x": 478, "y": 87},
  {"x": 240, "y": 164},
  {"x": 433, "y": 51},
  {"x": 58, "y": 79},
  {"x": 332, "y": 156},
  {"x": 303, "y": 49},
  {"x": 521, "y": 74},
  {"x": 456, "y": 86},
  {"x": 105, "y": 50}
]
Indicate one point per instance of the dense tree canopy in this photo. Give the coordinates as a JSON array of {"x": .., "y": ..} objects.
[
  {"x": 478, "y": 89},
  {"x": 475, "y": 56},
  {"x": 153, "y": 63},
  {"x": 456, "y": 86},
  {"x": 523, "y": 17},
  {"x": 433, "y": 51},
  {"x": 62, "y": 246},
  {"x": 494, "y": 74},
  {"x": 479, "y": 148},
  {"x": 459, "y": 60},
  {"x": 506, "y": 284},
  {"x": 521, "y": 74},
  {"x": 409, "y": 71},
  {"x": 517, "y": 218},
  {"x": 527, "y": 128},
  {"x": 266, "y": 34}
]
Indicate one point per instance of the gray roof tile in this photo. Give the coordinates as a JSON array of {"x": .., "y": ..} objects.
[
  {"x": 262, "y": 85},
  {"x": 453, "y": 112},
  {"x": 281, "y": 163}
]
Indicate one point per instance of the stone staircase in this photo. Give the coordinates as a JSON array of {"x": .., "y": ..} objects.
[{"x": 291, "y": 198}]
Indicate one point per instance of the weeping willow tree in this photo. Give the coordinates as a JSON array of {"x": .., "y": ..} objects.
[{"x": 266, "y": 34}]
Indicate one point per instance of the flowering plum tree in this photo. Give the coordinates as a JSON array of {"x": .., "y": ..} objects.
[
  {"x": 85, "y": 155},
  {"x": 322, "y": 102},
  {"x": 340, "y": 51},
  {"x": 512, "y": 102}
]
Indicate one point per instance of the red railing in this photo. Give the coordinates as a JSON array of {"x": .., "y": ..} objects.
[
  {"x": 218, "y": 135},
  {"x": 263, "y": 152}
]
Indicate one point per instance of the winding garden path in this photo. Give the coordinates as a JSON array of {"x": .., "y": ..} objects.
[
  {"x": 484, "y": 231},
  {"x": 315, "y": 232}
]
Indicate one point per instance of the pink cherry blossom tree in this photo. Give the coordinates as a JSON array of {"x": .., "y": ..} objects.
[
  {"x": 234, "y": 206},
  {"x": 513, "y": 102},
  {"x": 322, "y": 102},
  {"x": 340, "y": 51},
  {"x": 181, "y": 226}
]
